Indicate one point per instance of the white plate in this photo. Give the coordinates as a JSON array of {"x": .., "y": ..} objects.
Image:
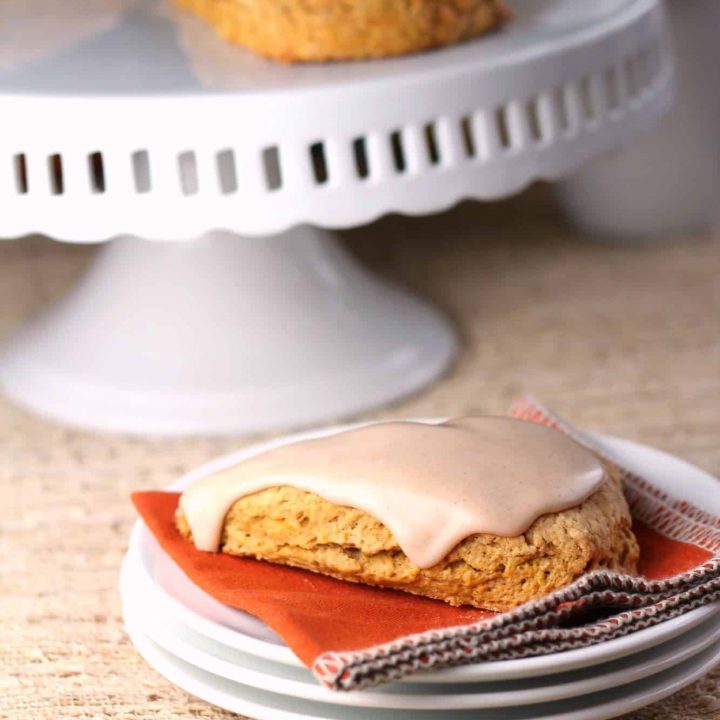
[
  {"x": 234, "y": 665},
  {"x": 264, "y": 705},
  {"x": 184, "y": 601}
]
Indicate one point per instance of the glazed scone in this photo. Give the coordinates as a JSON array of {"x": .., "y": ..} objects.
[
  {"x": 318, "y": 30},
  {"x": 292, "y": 527}
]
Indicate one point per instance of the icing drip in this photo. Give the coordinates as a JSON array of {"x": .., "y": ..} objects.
[{"x": 431, "y": 485}]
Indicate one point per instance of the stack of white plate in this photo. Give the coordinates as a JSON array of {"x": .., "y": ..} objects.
[{"x": 234, "y": 661}]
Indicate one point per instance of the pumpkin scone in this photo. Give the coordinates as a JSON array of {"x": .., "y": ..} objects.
[
  {"x": 318, "y": 30},
  {"x": 488, "y": 512}
]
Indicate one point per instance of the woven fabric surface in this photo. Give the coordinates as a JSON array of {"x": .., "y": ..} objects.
[{"x": 621, "y": 340}]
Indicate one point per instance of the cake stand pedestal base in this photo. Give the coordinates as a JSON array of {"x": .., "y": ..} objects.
[{"x": 225, "y": 334}]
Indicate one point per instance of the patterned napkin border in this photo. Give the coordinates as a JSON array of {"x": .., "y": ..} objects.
[{"x": 536, "y": 627}]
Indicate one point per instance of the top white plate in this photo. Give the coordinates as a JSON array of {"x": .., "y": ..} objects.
[
  {"x": 142, "y": 613},
  {"x": 186, "y": 602}
]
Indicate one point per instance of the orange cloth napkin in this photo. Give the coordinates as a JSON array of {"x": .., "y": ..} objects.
[{"x": 355, "y": 635}]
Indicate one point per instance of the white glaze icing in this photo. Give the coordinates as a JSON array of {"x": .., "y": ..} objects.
[{"x": 431, "y": 485}]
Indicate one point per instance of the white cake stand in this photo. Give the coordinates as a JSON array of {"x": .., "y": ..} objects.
[{"x": 124, "y": 117}]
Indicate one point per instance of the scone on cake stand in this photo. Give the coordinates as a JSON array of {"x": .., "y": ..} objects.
[
  {"x": 296, "y": 31},
  {"x": 156, "y": 129}
]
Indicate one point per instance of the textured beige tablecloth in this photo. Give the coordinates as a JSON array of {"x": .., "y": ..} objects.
[{"x": 625, "y": 341}]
